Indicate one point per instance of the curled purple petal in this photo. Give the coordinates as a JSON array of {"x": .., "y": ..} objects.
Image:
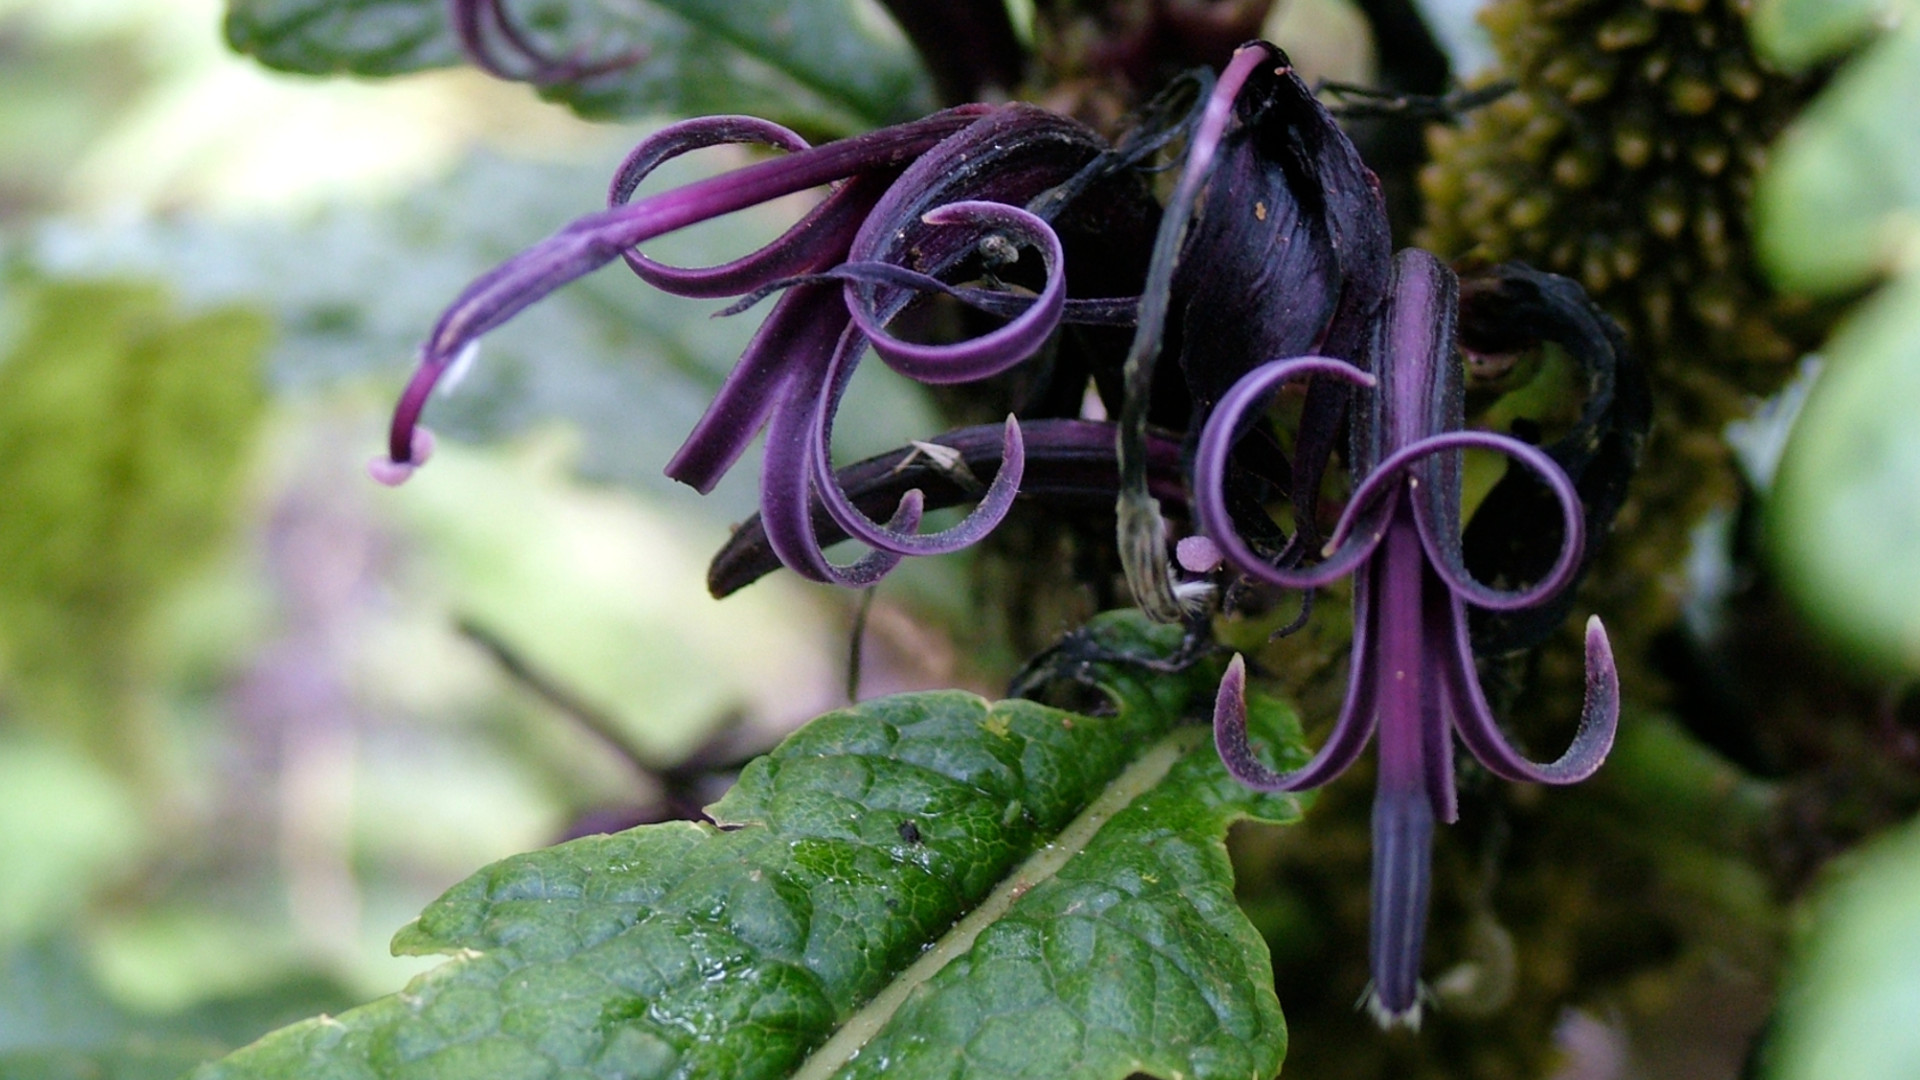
[
  {"x": 818, "y": 239},
  {"x": 1349, "y": 737},
  {"x": 971, "y": 530},
  {"x": 990, "y": 353},
  {"x": 1068, "y": 463},
  {"x": 976, "y": 525},
  {"x": 1599, "y": 715},
  {"x": 1443, "y": 548},
  {"x": 591, "y": 242},
  {"x": 785, "y": 499},
  {"x": 1210, "y": 476},
  {"x": 800, "y": 333}
]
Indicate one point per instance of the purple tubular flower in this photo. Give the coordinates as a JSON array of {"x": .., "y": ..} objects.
[
  {"x": 1412, "y": 675},
  {"x": 915, "y": 205},
  {"x": 1069, "y": 463},
  {"x": 486, "y": 31}
]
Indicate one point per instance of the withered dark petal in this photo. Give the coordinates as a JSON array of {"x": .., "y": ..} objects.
[
  {"x": 1290, "y": 251},
  {"x": 1289, "y": 255}
]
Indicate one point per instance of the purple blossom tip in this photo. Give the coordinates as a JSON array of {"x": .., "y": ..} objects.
[
  {"x": 392, "y": 472},
  {"x": 1402, "y": 881},
  {"x": 1198, "y": 554}
]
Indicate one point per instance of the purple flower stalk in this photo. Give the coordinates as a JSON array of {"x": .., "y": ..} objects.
[
  {"x": 913, "y": 204},
  {"x": 1412, "y": 670}
]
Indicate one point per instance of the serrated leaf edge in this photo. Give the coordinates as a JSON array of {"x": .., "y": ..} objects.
[{"x": 1139, "y": 778}]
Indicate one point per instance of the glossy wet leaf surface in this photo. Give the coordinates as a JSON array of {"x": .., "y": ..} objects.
[
  {"x": 832, "y": 66},
  {"x": 925, "y": 885}
]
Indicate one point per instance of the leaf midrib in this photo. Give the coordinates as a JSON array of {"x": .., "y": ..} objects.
[{"x": 1146, "y": 772}]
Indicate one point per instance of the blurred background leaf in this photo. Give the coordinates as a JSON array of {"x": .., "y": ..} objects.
[
  {"x": 1839, "y": 210},
  {"x": 1848, "y": 1005},
  {"x": 823, "y": 66},
  {"x": 124, "y": 432}
]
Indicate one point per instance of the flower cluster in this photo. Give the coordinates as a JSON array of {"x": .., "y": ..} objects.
[
  {"x": 1269, "y": 264},
  {"x": 945, "y": 196}
]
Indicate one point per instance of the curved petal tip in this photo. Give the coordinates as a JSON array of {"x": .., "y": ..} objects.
[{"x": 394, "y": 473}]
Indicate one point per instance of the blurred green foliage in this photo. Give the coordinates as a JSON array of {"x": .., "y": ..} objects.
[
  {"x": 1852, "y": 996},
  {"x": 125, "y": 431},
  {"x": 1839, "y": 209},
  {"x": 822, "y": 66}
]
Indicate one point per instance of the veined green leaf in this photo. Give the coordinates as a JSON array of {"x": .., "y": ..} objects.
[
  {"x": 827, "y": 65},
  {"x": 925, "y": 885}
]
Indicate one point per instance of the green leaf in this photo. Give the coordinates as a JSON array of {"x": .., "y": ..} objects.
[
  {"x": 1846, "y": 508},
  {"x": 124, "y": 429},
  {"x": 1840, "y": 204},
  {"x": 943, "y": 885},
  {"x": 832, "y": 66},
  {"x": 1797, "y": 33},
  {"x": 1847, "y": 1008}
]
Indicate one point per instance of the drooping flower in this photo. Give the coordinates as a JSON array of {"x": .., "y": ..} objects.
[
  {"x": 1412, "y": 678},
  {"x": 916, "y": 204},
  {"x": 1274, "y": 243}
]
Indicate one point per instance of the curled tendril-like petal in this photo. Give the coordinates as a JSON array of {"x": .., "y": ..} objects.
[
  {"x": 1351, "y": 732},
  {"x": 819, "y": 238},
  {"x": 1599, "y": 715},
  {"x": 1443, "y": 549},
  {"x": 976, "y": 525},
  {"x": 990, "y": 353},
  {"x": 591, "y": 242},
  {"x": 1210, "y": 476},
  {"x": 786, "y": 497},
  {"x": 798, "y": 335},
  {"x": 983, "y": 519}
]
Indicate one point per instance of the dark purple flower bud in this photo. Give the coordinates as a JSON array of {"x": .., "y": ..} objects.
[
  {"x": 1275, "y": 243},
  {"x": 1412, "y": 671}
]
